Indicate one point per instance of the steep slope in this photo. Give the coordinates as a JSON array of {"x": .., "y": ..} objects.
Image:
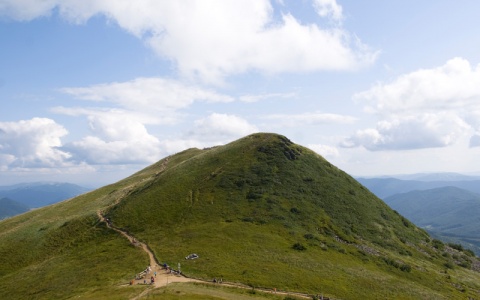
[
  {"x": 260, "y": 211},
  {"x": 447, "y": 211},
  {"x": 9, "y": 207}
]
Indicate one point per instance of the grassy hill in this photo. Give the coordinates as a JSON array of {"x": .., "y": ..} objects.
[
  {"x": 447, "y": 212},
  {"x": 260, "y": 211}
]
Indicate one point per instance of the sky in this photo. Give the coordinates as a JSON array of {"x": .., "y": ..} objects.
[{"x": 92, "y": 91}]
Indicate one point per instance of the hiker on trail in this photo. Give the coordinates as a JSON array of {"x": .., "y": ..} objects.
[
  {"x": 152, "y": 280},
  {"x": 155, "y": 273}
]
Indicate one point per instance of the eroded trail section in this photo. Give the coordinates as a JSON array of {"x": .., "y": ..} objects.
[{"x": 161, "y": 276}]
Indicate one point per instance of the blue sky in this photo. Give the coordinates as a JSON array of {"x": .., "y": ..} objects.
[{"x": 92, "y": 91}]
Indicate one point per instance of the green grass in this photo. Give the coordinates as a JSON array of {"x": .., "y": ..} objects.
[
  {"x": 209, "y": 291},
  {"x": 242, "y": 207}
]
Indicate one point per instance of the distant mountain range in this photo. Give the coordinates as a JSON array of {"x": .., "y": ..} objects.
[
  {"x": 448, "y": 209},
  {"x": 9, "y": 207},
  {"x": 446, "y": 176},
  {"x": 450, "y": 213},
  {"x": 37, "y": 194},
  {"x": 385, "y": 187}
]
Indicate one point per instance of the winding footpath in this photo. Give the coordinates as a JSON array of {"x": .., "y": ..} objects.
[{"x": 163, "y": 277}]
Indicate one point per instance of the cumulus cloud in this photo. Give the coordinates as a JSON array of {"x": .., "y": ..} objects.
[
  {"x": 426, "y": 131},
  {"x": 455, "y": 85},
  {"x": 329, "y": 8},
  {"x": 115, "y": 139},
  {"x": 213, "y": 130},
  {"x": 33, "y": 143},
  {"x": 118, "y": 130},
  {"x": 260, "y": 97},
  {"x": 422, "y": 109},
  {"x": 213, "y": 39},
  {"x": 220, "y": 128},
  {"x": 313, "y": 118},
  {"x": 150, "y": 96}
]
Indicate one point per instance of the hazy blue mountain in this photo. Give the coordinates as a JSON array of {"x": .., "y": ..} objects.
[
  {"x": 385, "y": 187},
  {"x": 39, "y": 194},
  {"x": 9, "y": 208},
  {"x": 450, "y": 213},
  {"x": 447, "y": 176}
]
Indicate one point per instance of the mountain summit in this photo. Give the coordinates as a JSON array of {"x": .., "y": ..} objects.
[{"x": 260, "y": 211}]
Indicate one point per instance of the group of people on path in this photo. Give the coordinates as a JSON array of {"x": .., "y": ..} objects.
[{"x": 144, "y": 274}]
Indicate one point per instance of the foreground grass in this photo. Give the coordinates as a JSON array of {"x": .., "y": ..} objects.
[
  {"x": 102, "y": 260},
  {"x": 62, "y": 250},
  {"x": 209, "y": 291}
]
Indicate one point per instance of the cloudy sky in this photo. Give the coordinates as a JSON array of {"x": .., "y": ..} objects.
[{"x": 92, "y": 91}]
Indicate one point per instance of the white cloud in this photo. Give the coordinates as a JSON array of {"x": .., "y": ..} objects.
[
  {"x": 220, "y": 128},
  {"x": 426, "y": 131},
  {"x": 213, "y": 130},
  {"x": 115, "y": 139},
  {"x": 324, "y": 150},
  {"x": 213, "y": 39},
  {"x": 328, "y": 8},
  {"x": 313, "y": 118},
  {"x": 422, "y": 109},
  {"x": 455, "y": 85},
  {"x": 32, "y": 144},
  {"x": 260, "y": 97},
  {"x": 150, "y": 96}
]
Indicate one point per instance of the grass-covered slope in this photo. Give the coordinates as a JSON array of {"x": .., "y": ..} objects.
[
  {"x": 267, "y": 212},
  {"x": 260, "y": 211},
  {"x": 62, "y": 250}
]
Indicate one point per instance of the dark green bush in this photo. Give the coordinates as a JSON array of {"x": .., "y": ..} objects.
[
  {"x": 456, "y": 246},
  {"x": 406, "y": 268},
  {"x": 437, "y": 244},
  {"x": 299, "y": 247}
]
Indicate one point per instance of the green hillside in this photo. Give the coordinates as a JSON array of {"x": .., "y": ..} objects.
[{"x": 261, "y": 211}]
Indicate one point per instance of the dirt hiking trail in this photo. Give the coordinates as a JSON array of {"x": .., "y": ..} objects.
[{"x": 163, "y": 277}]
